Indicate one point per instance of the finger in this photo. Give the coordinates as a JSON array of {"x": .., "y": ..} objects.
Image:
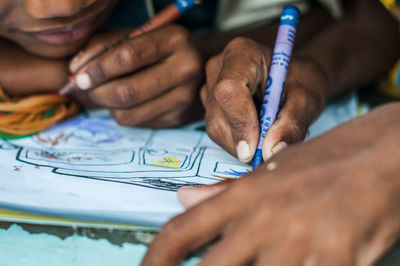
[
  {"x": 292, "y": 123},
  {"x": 243, "y": 71},
  {"x": 213, "y": 69},
  {"x": 203, "y": 96},
  {"x": 193, "y": 229},
  {"x": 337, "y": 258},
  {"x": 237, "y": 104},
  {"x": 146, "y": 84},
  {"x": 236, "y": 243},
  {"x": 131, "y": 55},
  {"x": 180, "y": 97},
  {"x": 217, "y": 126},
  {"x": 191, "y": 196},
  {"x": 96, "y": 47}
]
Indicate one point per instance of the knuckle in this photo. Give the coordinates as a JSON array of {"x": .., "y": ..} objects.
[
  {"x": 224, "y": 90},
  {"x": 238, "y": 42},
  {"x": 187, "y": 97},
  {"x": 339, "y": 236},
  {"x": 97, "y": 73},
  {"x": 335, "y": 242},
  {"x": 193, "y": 67},
  {"x": 203, "y": 96},
  {"x": 124, "y": 117},
  {"x": 212, "y": 66},
  {"x": 179, "y": 35},
  {"x": 125, "y": 95},
  {"x": 127, "y": 55},
  {"x": 214, "y": 129},
  {"x": 297, "y": 231}
]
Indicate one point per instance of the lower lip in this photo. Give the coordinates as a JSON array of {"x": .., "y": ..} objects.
[{"x": 65, "y": 37}]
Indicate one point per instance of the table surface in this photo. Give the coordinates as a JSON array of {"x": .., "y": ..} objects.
[{"x": 24, "y": 244}]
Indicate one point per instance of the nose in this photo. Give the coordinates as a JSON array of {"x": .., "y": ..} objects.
[{"x": 46, "y": 9}]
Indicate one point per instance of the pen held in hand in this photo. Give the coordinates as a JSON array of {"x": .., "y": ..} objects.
[{"x": 277, "y": 75}]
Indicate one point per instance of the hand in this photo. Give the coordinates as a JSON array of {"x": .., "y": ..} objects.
[
  {"x": 240, "y": 73},
  {"x": 331, "y": 201},
  {"x": 151, "y": 80}
]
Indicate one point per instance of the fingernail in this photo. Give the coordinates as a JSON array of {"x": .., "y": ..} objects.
[
  {"x": 267, "y": 153},
  {"x": 83, "y": 81},
  {"x": 243, "y": 151},
  {"x": 279, "y": 147}
]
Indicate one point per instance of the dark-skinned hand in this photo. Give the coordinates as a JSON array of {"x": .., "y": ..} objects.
[
  {"x": 151, "y": 80},
  {"x": 332, "y": 201},
  {"x": 240, "y": 73}
]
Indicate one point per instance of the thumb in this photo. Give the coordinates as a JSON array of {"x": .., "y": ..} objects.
[
  {"x": 191, "y": 196},
  {"x": 291, "y": 126},
  {"x": 281, "y": 134}
]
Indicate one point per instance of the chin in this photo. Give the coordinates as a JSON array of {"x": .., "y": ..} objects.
[{"x": 55, "y": 51}]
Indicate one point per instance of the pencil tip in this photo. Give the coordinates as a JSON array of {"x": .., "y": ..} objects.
[{"x": 68, "y": 89}]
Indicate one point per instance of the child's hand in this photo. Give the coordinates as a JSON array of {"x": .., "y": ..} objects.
[
  {"x": 240, "y": 73},
  {"x": 150, "y": 80}
]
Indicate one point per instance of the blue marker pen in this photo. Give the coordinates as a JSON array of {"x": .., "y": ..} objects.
[{"x": 277, "y": 75}]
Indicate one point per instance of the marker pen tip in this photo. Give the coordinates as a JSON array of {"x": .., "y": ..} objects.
[{"x": 68, "y": 89}]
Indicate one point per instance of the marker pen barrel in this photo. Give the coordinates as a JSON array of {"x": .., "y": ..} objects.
[{"x": 277, "y": 75}]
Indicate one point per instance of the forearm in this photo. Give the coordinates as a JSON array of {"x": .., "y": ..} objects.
[
  {"x": 23, "y": 74},
  {"x": 358, "y": 49}
]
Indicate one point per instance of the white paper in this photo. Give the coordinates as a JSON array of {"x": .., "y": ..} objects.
[{"x": 91, "y": 168}]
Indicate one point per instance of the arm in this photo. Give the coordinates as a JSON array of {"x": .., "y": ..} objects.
[{"x": 358, "y": 49}]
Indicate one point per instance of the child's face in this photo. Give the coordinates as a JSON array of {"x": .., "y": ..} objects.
[{"x": 52, "y": 28}]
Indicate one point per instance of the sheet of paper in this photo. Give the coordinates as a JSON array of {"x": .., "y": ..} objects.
[{"x": 91, "y": 168}]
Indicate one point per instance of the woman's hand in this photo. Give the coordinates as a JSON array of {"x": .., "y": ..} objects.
[
  {"x": 151, "y": 80},
  {"x": 237, "y": 76},
  {"x": 333, "y": 201}
]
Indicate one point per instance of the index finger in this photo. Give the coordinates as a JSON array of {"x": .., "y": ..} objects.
[
  {"x": 131, "y": 55},
  {"x": 243, "y": 72}
]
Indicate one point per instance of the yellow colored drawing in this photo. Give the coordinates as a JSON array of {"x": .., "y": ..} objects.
[{"x": 169, "y": 162}]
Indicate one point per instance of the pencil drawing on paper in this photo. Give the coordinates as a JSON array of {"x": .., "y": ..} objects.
[{"x": 94, "y": 146}]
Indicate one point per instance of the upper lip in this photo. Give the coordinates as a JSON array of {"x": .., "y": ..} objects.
[{"x": 63, "y": 29}]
